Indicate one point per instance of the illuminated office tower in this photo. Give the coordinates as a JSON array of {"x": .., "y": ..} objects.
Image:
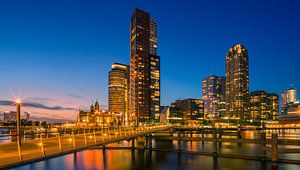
[
  {"x": 118, "y": 91},
  {"x": 144, "y": 90},
  {"x": 237, "y": 82},
  {"x": 213, "y": 95},
  {"x": 263, "y": 106}
]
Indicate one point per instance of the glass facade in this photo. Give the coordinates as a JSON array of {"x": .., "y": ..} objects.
[
  {"x": 144, "y": 90},
  {"x": 263, "y": 106},
  {"x": 237, "y": 83},
  {"x": 118, "y": 85},
  {"x": 213, "y": 94}
]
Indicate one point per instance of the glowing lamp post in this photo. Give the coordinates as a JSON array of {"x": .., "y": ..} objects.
[{"x": 18, "y": 109}]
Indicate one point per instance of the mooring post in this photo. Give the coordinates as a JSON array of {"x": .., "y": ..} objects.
[
  {"x": 215, "y": 148},
  {"x": 274, "y": 149},
  {"x": 179, "y": 142},
  {"x": 263, "y": 146}
]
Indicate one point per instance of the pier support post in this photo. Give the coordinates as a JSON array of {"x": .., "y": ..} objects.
[
  {"x": 150, "y": 141},
  {"x": 263, "y": 146},
  {"x": 132, "y": 144},
  {"x": 274, "y": 150},
  {"x": 215, "y": 147},
  {"x": 179, "y": 142},
  {"x": 141, "y": 142},
  {"x": 220, "y": 137}
]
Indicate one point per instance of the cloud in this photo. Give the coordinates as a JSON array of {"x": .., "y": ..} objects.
[
  {"x": 35, "y": 105},
  {"x": 41, "y": 99},
  {"x": 75, "y": 96}
]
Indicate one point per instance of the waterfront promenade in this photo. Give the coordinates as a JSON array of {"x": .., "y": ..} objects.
[{"x": 11, "y": 154}]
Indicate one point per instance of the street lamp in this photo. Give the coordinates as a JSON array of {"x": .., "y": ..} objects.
[{"x": 18, "y": 112}]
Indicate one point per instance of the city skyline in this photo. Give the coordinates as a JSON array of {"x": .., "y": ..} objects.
[{"x": 57, "y": 92}]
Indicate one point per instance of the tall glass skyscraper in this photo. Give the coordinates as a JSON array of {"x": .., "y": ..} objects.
[
  {"x": 237, "y": 82},
  {"x": 144, "y": 91},
  {"x": 288, "y": 98},
  {"x": 213, "y": 94}
]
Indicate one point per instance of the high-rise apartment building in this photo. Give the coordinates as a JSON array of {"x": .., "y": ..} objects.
[
  {"x": 237, "y": 82},
  {"x": 288, "y": 98},
  {"x": 263, "y": 105},
  {"x": 213, "y": 95},
  {"x": 118, "y": 87},
  {"x": 144, "y": 90}
]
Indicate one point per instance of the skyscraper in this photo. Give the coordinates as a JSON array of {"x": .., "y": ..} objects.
[
  {"x": 144, "y": 91},
  {"x": 237, "y": 82},
  {"x": 118, "y": 86},
  {"x": 213, "y": 94},
  {"x": 288, "y": 98}
]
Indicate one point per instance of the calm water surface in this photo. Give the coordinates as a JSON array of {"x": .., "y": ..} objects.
[{"x": 127, "y": 159}]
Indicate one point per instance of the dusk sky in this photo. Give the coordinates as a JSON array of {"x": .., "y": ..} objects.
[{"x": 56, "y": 54}]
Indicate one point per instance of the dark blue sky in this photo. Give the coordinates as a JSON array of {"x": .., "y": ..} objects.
[{"x": 62, "y": 50}]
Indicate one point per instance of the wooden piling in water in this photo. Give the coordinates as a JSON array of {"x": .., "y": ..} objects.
[
  {"x": 263, "y": 146},
  {"x": 215, "y": 147},
  {"x": 132, "y": 144},
  {"x": 179, "y": 142},
  {"x": 274, "y": 149}
]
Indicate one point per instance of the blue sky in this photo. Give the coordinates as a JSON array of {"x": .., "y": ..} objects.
[{"x": 61, "y": 51}]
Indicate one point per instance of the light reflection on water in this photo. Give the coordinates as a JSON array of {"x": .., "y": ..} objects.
[{"x": 127, "y": 159}]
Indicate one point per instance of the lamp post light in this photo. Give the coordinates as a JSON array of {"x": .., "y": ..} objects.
[{"x": 18, "y": 117}]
